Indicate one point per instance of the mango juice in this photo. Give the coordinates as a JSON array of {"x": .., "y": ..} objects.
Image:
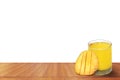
[{"x": 103, "y": 51}]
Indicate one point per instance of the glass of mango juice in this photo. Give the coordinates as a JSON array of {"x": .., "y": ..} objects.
[{"x": 103, "y": 50}]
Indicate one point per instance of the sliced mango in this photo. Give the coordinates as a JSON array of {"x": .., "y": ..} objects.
[{"x": 86, "y": 63}]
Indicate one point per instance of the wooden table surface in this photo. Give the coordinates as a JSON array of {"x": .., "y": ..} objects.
[{"x": 49, "y": 71}]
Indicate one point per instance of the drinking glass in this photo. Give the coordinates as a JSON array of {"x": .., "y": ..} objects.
[{"x": 103, "y": 50}]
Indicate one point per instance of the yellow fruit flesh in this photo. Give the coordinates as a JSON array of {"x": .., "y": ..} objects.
[
  {"x": 86, "y": 63},
  {"x": 93, "y": 66},
  {"x": 78, "y": 65},
  {"x": 103, "y": 52},
  {"x": 82, "y": 70}
]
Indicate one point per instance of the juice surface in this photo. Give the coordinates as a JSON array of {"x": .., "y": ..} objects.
[{"x": 104, "y": 54}]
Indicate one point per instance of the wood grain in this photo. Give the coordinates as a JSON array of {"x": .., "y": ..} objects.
[{"x": 49, "y": 71}]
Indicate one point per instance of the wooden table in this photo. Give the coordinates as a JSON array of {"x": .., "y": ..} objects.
[{"x": 49, "y": 71}]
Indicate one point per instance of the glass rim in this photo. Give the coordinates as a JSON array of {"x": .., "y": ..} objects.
[{"x": 99, "y": 40}]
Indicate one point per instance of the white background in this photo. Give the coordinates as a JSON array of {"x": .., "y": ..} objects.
[{"x": 56, "y": 30}]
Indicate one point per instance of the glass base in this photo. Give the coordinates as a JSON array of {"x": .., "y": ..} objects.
[{"x": 103, "y": 72}]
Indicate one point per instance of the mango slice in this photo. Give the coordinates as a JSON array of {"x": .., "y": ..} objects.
[{"x": 86, "y": 63}]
